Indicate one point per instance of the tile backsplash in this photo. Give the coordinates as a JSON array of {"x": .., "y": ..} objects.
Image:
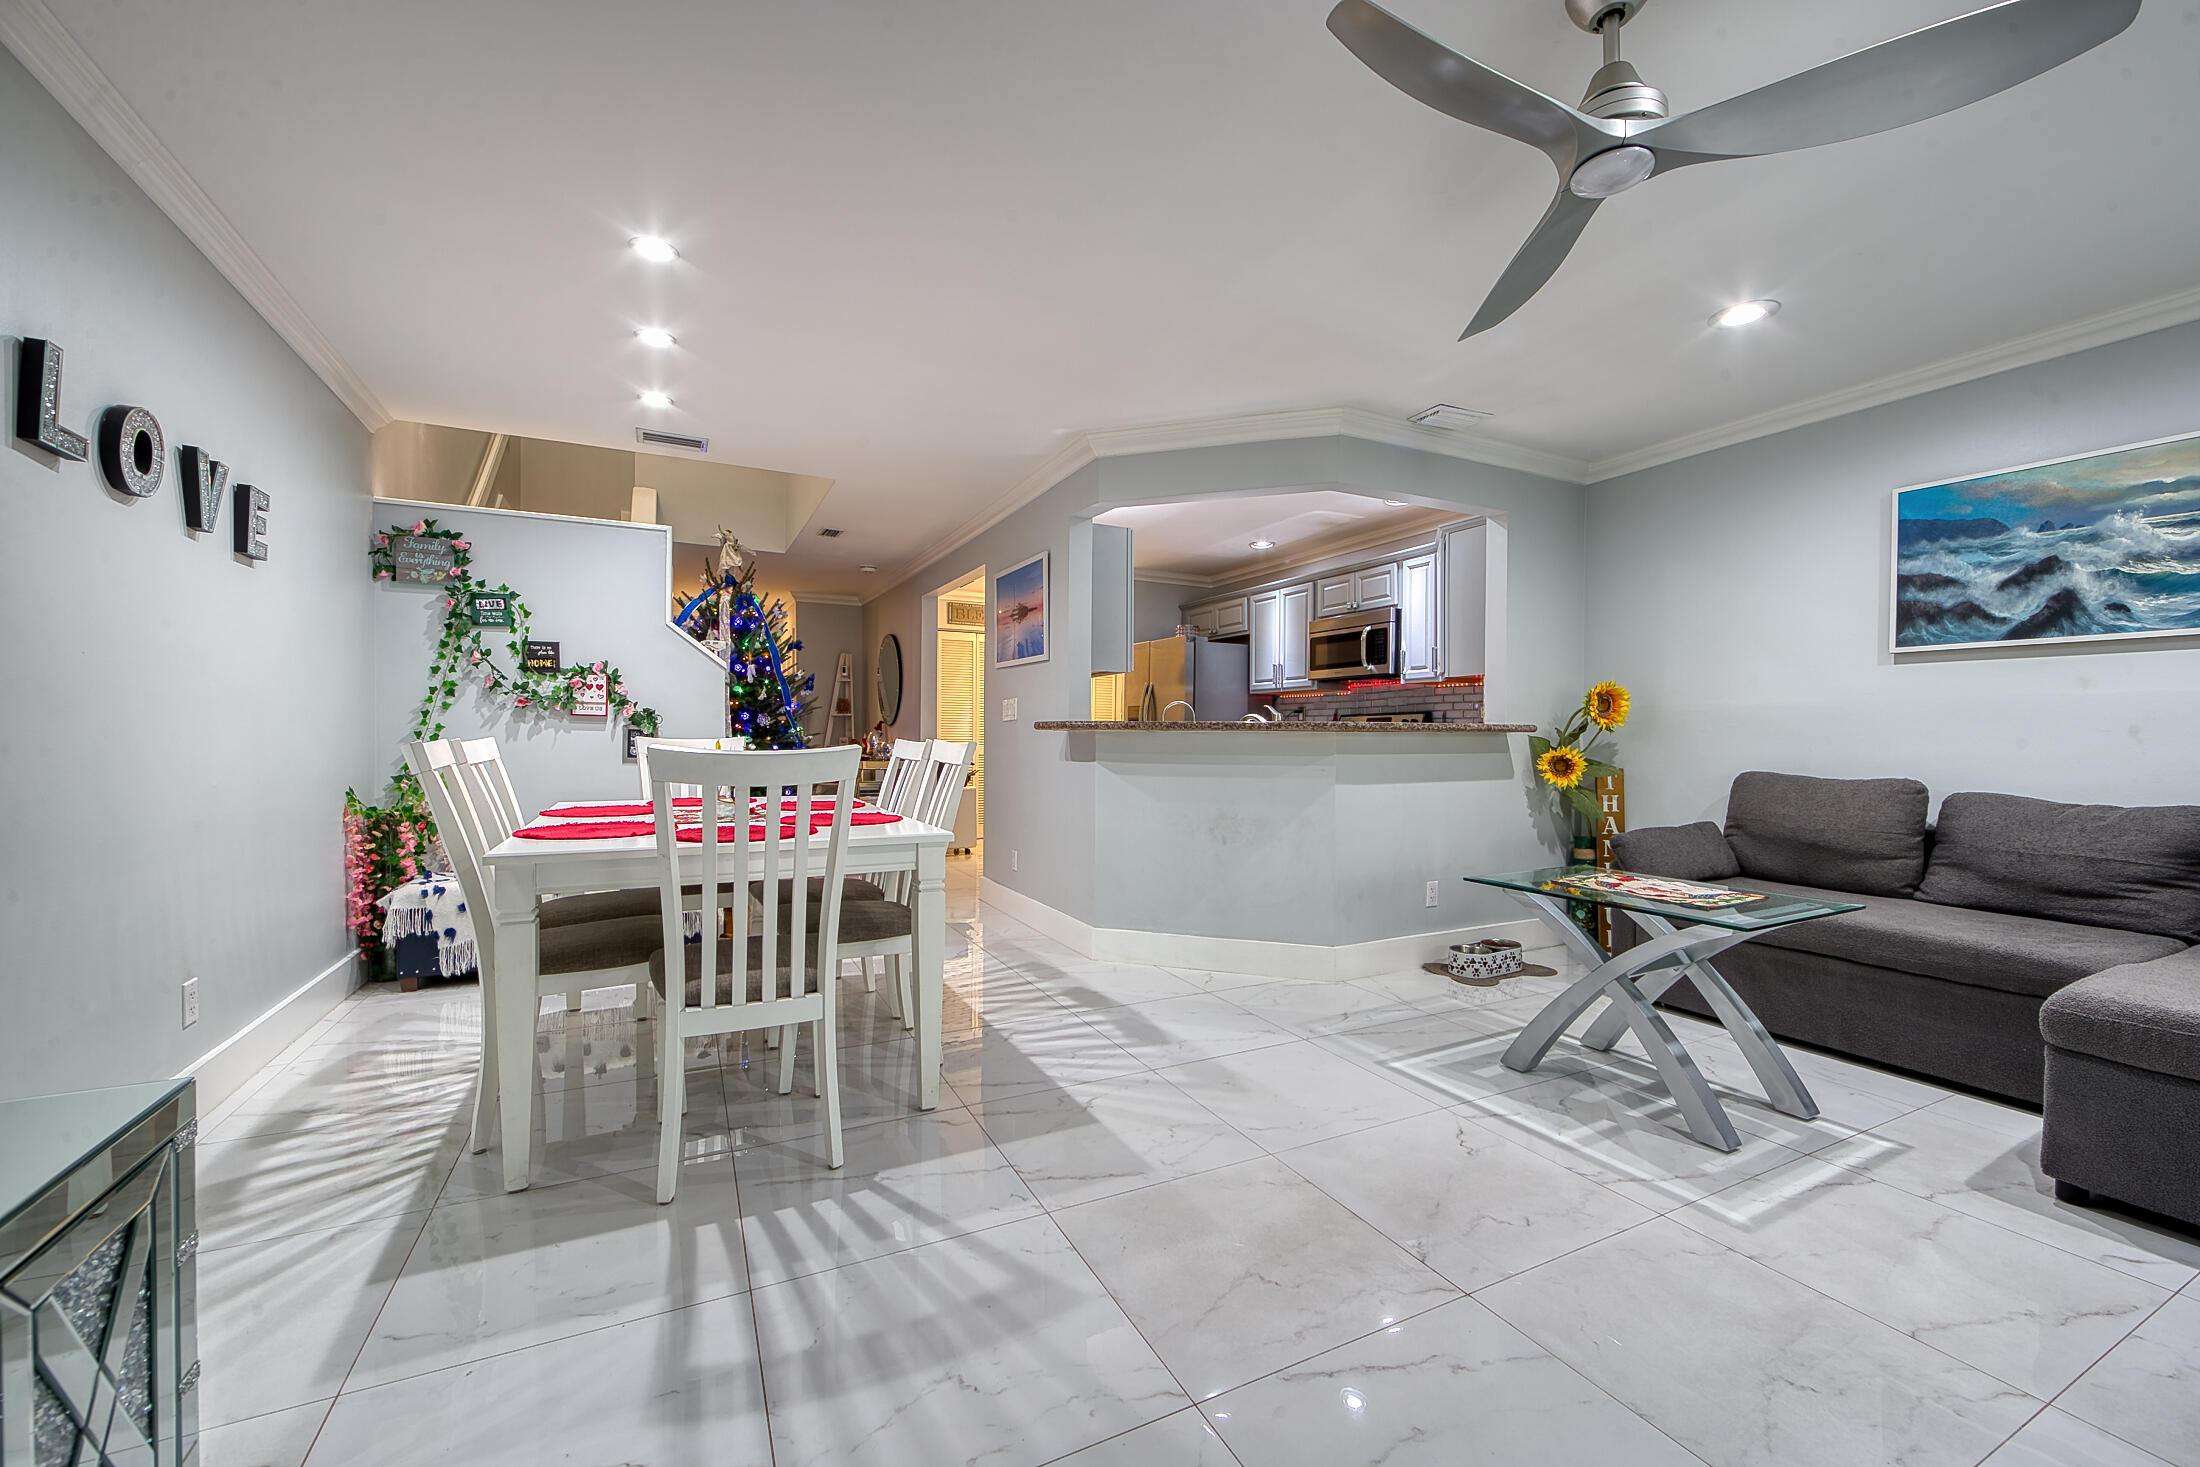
[{"x": 1458, "y": 700}]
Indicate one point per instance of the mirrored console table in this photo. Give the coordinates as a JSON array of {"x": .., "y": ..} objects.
[{"x": 98, "y": 1343}]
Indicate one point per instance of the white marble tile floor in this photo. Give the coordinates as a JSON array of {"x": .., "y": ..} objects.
[{"x": 1163, "y": 1217}]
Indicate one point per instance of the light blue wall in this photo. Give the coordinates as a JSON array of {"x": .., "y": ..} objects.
[
  {"x": 599, "y": 590},
  {"x": 183, "y": 725},
  {"x": 1157, "y": 607},
  {"x": 1742, "y": 595}
]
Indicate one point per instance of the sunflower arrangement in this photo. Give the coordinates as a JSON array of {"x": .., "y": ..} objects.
[{"x": 1562, "y": 761}]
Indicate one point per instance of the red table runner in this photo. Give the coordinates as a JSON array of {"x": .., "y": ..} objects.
[
  {"x": 616, "y": 829},
  {"x": 641, "y": 811}
]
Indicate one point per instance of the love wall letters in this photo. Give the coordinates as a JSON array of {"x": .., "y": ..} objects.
[{"x": 133, "y": 455}]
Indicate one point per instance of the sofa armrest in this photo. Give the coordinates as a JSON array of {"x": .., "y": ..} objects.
[
  {"x": 1696, "y": 852},
  {"x": 2144, "y": 1015}
]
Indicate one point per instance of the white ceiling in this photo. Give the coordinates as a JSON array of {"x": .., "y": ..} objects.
[
  {"x": 923, "y": 246},
  {"x": 1210, "y": 540}
]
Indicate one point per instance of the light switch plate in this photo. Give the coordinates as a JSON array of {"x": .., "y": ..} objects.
[
  {"x": 1008, "y": 710},
  {"x": 1430, "y": 899},
  {"x": 190, "y": 1002}
]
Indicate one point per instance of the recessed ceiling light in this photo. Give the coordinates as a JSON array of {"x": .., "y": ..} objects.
[
  {"x": 1395, "y": 503},
  {"x": 1745, "y": 313},
  {"x": 653, "y": 248},
  {"x": 655, "y": 336},
  {"x": 869, "y": 570},
  {"x": 656, "y": 400},
  {"x": 1262, "y": 545}
]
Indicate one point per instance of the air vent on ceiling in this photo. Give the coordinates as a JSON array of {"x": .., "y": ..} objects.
[
  {"x": 1444, "y": 415},
  {"x": 830, "y": 534},
  {"x": 671, "y": 440}
]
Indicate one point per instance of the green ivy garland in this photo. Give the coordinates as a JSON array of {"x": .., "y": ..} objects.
[{"x": 462, "y": 654}]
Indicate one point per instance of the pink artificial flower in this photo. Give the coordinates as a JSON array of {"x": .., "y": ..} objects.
[
  {"x": 476, "y": 656},
  {"x": 596, "y": 667},
  {"x": 521, "y": 702},
  {"x": 460, "y": 545},
  {"x": 420, "y": 527},
  {"x": 456, "y": 572},
  {"x": 489, "y": 684},
  {"x": 449, "y": 602},
  {"x": 622, "y": 690},
  {"x": 381, "y": 575},
  {"x": 381, "y": 539}
]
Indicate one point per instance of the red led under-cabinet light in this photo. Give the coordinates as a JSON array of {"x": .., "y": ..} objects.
[{"x": 1451, "y": 682}]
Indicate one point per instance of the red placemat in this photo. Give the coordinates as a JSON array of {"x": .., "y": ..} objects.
[
  {"x": 616, "y": 829},
  {"x": 642, "y": 811},
  {"x": 588, "y": 830},
  {"x": 819, "y": 821}
]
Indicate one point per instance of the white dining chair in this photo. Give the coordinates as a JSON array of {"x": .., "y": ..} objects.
[
  {"x": 498, "y": 813},
  {"x": 572, "y": 958},
  {"x": 775, "y": 972},
  {"x": 882, "y": 928},
  {"x": 899, "y": 789}
]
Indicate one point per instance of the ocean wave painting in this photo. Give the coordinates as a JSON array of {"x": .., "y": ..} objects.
[
  {"x": 2102, "y": 546},
  {"x": 1020, "y": 613}
]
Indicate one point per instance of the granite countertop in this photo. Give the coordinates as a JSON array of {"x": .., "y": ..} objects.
[{"x": 1077, "y": 725}]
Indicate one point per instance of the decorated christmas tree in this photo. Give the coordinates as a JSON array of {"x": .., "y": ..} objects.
[{"x": 766, "y": 691}]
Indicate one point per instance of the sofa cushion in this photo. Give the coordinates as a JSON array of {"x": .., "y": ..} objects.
[
  {"x": 1696, "y": 852},
  {"x": 1863, "y": 835},
  {"x": 2104, "y": 865},
  {"x": 2145, "y": 1015},
  {"x": 2024, "y": 955}
]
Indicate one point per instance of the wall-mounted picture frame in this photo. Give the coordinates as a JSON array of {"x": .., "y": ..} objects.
[
  {"x": 1020, "y": 613},
  {"x": 540, "y": 657},
  {"x": 2097, "y": 547}
]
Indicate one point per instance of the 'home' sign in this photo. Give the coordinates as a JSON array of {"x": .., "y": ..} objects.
[{"x": 132, "y": 454}]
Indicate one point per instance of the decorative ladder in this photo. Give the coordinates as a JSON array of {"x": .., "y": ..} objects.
[{"x": 842, "y": 709}]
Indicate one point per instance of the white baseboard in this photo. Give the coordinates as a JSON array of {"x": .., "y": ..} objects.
[
  {"x": 225, "y": 1067},
  {"x": 1249, "y": 955}
]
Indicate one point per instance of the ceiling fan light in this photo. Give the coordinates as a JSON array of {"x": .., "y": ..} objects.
[
  {"x": 1613, "y": 171},
  {"x": 1744, "y": 313}
]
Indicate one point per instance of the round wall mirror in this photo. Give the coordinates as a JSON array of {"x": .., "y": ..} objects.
[{"x": 889, "y": 678}]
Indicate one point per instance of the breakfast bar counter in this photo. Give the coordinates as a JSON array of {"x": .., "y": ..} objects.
[{"x": 1296, "y": 726}]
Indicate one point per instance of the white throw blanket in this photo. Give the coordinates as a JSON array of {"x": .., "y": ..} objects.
[{"x": 433, "y": 906}]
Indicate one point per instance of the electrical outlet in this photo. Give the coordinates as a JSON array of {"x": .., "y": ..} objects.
[
  {"x": 1430, "y": 899},
  {"x": 1008, "y": 710},
  {"x": 190, "y": 1002},
  {"x": 1015, "y": 860}
]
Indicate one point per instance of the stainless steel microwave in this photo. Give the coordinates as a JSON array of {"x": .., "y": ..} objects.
[{"x": 1356, "y": 644}]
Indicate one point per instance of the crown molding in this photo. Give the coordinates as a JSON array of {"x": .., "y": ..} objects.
[
  {"x": 1066, "y": 460},
  {"x": 47, "y": 50},
  {"x": 2041, "y": 346},
  {"x": 1337, "y": 422}
]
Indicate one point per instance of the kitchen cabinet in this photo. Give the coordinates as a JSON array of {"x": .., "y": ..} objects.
[
  {"x": 1364, "y": 589},
  {"x": 1219, "y": 618},
  {"x": 1279, "y": 621},
  {"x": 1473, "y": 607},
  {"x": 1266, "y": 614},
  {"x": 1420, "y": 617},
  {"x": 1298, "y": 611}
]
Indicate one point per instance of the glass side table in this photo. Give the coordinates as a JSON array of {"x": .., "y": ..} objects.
[
  {"x": 98, "y": 1338},
  {"x": 1682, "y": 941}
]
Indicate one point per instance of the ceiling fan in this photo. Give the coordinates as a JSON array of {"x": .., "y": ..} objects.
[{"x": 1622, "y": 133}]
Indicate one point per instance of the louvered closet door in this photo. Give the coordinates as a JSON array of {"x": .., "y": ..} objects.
[{"x": 961, "y": 701}]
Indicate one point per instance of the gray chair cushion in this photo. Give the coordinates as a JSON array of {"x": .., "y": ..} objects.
[
  {"x": 2145, "y": 1015},
  {"x": 584, "y": 947},
  {"x": 2105, "y": 865},
  {"x": 597, "y": 906},
  {"x": 1863, "y": 835},
  {"x": 2023, "y": 955},
  {"x": 752, "y": 970},
  {"x": 852, "y": 889},
  {"x": 1696, "y": 852},
  {"x": 862, "y": 921}
]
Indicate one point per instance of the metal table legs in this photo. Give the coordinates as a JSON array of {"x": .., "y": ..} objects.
[{"x": 1632, "y": 980}]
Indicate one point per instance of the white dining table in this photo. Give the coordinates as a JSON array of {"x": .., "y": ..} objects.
[{"x": 522, "y": 871}]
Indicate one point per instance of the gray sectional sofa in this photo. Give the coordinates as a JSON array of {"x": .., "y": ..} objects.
[{"x": 2012, "y": 917}]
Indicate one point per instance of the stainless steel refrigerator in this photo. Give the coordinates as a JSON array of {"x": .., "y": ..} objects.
[{"x": 1211, "y": 676}]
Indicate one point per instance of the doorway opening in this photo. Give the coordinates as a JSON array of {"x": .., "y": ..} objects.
[{"x": 959, "y": 694}]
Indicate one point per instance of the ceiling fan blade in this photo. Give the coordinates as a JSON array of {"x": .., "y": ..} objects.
[
  {"x": 1897, "y": 82},
  {"x": 1544, "y": 252},
  {"x": 1454, "y": 85}
]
